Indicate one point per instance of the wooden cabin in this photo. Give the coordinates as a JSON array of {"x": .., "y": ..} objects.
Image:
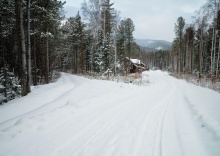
[{"x": 136, "y": 66}]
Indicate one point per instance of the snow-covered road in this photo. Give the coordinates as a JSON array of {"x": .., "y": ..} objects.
[{"x": 81, "y": 117}]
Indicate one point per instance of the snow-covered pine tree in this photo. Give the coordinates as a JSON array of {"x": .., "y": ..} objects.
[
  {"x": 98, "y": 56},
  {"x": 46, "y": 19},
  {"x": 79, "y": 34},
  {"x": 129, "y": 29},
  {"x": 121, "y": 47},
  {"x": 189, "y": 38},
  {"x": 179, "y": 28},
  {"x": 107, "y": 57},
  {"x": 9, "y": 85},
  {"x": 73, "y": 41},
  {"x": 74, "y": 29},
  {"x": 87, "y": 50},
  {"x": 108, "y": 15}
]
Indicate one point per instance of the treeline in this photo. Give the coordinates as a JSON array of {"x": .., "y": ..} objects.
[
  {"x": 29, "y": 37},
  {"x": 101, "y": 42},
  {"x": 162, "y": 60},
  {"x": 36, "y": 40},
  {"x": 196, "y": 47}
]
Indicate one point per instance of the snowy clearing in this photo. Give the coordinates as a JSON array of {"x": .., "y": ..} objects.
[{"x": 82, "y": 117}]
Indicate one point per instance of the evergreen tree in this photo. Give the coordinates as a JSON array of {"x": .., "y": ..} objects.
[
  {"x": 121, "y": 46},
  {"x": 179, "y": 28},
  {"x": 9, "y": 85},
  {"x": 189, "y": 48},
  {"x": 74, "y": 29},
  {"x": 87, "y": 50},
  {"x": 107, "y": 44},
  {"x": 129, "y": 29}
]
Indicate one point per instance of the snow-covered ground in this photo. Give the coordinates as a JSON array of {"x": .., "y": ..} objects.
[{"x": 81, "y": 117}]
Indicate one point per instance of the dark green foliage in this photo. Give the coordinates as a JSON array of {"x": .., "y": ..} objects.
[
  {"x": 45, "y": 23},
  {"x": 54, "y": 45},
  {"x": 9, "y": 85}
]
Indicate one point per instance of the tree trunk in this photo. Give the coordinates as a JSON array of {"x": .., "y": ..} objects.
[
  {"x": 76, "y": 61},
  {"x": 47, "y": 49},
  {"x": 217, "y": 67},
  {"x": 190, "y": 59},
  {"x": 214, "y": 54},
  {"x": 213, "y": 51},
  {"x": 3, "y": 58},
  {"x": 177, "y": 63},
  {"x": 47, "y": 57},
  {"x": 115, "y": 57},
  {"x": 18, "y": 43},
  {"x": 187, "y": 58},
  {"x": 28, "y": 49},
  {"x": 213, "y": 31},
  {"x": 126, "y": 62},
  {"x": 200, "y": 55},
  {"x": 24, "y": 77},
  {"x": 73, "y": 60},
  {"x": 35, "y": 58},
  {"x": 104, "y": 24},
  {"x": 4, "y": 65},
  {"x": 180, "y": 56},
  {"x": 81, "y": 53}
]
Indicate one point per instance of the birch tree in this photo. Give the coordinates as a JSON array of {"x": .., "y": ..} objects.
[
  {"x": 210, "y": 9},
  {"x": 91, "y": 11}
]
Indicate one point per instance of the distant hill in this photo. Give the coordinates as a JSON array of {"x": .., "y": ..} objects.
[{"x": 153, "y": 45}]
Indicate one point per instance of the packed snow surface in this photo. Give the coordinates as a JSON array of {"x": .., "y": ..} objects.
[{"x": 81, "y": 117}]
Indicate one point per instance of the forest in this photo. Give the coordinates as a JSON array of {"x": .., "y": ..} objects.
[
  {"x": 36, "y": 41},
  {"x": 196, "y": 47}
]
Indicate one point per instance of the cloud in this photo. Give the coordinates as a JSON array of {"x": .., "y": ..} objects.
[
  {"x": 188, "y": 9},
  {"x": 155, "y": 19}
]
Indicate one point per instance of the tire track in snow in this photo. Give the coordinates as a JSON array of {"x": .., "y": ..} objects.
[
  {"x": 110, "y": 116},
  {"x": 154, "y": 123},
  {"x": 35, "y": 112},
  {"x": 106, "y": 124},
  {"x": 213, "y": 127},
  {"x": 59, "y": 126},
  {"x": 142, "y": 96},
  {"x": 106, "y": 115},
  {"x": 186, "y": 134}
]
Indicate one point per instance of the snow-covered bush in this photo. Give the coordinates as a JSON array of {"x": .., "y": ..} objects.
[
  {"x": 200, "y": 81},
  {"x": 55, "y": 75}
]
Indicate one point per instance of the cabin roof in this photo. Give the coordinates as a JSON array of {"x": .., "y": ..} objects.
[{"x": 136, "y": 61}]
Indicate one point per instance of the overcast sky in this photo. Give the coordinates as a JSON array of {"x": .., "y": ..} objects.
[{"x": 153, "y": 19}]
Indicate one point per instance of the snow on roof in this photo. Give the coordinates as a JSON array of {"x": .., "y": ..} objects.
[{"x": 135, "y": 61}]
